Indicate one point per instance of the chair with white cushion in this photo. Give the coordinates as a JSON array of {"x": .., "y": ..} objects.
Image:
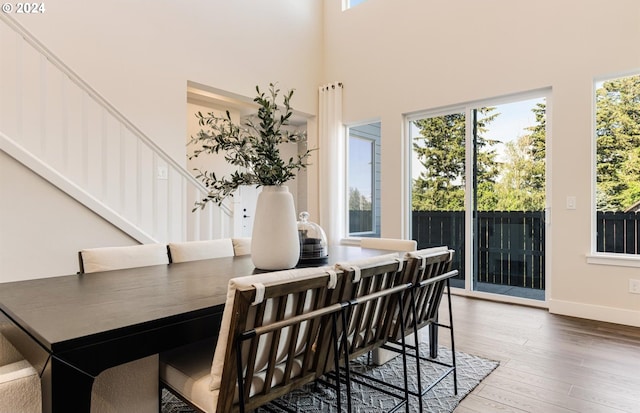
[
  {"x": 379, "y": 355},
  {"x": 390, "y": 244},
  {"x": 20, "y": 389},
  {"x": 374, "y": 289},
  {"x": 241, "y": 246},
  {"x": 117, "y": 258},
  {"x": 200, "y": 250},
  {"x": 429, "y": 271},
  {"x": 132, "y": 386},
  {"x": 278, "y": 320}
]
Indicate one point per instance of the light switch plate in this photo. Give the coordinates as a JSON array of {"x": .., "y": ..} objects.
[{"x": 571, "y": 202}]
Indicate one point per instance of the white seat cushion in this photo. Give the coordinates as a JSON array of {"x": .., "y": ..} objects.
[
  {"x": 201, "y": 250},
  {"x": 131, "y": 387},
  {"x": 116, "y": 258},
  {"x": 189, "y": 374},
  {"x": 8, "y": 353}
]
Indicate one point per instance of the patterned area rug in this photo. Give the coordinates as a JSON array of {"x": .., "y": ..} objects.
[{"x": 317, "y": 398}]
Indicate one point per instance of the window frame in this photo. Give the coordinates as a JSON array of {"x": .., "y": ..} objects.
[
  {"x": 375, "y": 179},
  {"x": 599, "y": 257}
]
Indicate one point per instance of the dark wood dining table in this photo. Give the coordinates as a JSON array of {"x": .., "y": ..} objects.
[{"x": 71, "y": 328}]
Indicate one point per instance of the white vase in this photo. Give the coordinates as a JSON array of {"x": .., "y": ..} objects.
[{"x": 274, "y": 239}]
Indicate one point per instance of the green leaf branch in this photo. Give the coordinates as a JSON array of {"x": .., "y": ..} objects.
[{"x": 253, "y": 147}]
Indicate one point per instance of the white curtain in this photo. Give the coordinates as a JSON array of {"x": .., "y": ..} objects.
[{"x": 332, "y": 169}]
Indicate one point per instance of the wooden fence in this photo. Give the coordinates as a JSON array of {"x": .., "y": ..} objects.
[
  {"x": 510, "y": 244},
  {"x": 618, "y": 232}
]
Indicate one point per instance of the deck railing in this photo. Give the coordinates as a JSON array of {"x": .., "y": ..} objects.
[{"x": 511, "y": 244}]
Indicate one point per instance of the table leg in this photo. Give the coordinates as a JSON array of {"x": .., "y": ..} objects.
[{"x": 70, "y": 389}]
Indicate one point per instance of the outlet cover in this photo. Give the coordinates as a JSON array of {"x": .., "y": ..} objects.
[
  {"x": 634, "y": 286},
  {"x": 163, "y": 172}
]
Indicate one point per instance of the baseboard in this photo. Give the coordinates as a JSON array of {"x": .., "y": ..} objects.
[{"x": 595, "y": 312}]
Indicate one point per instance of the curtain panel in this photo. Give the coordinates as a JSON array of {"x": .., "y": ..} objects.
[{"x": 332, "y": 160}]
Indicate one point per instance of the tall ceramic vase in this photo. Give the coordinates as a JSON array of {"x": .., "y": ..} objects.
[{"x": 274, "y": 240}]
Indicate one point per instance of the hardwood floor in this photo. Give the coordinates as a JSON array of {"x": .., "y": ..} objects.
[{"x": 548, "y": 363}]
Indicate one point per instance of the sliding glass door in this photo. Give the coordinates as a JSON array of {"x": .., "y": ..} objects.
[{"x": 479, "y": 186}]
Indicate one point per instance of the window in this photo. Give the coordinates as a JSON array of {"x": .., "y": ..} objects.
[
  {"x": 363, "y": 182},
  {"x": 617, "y": 135}
]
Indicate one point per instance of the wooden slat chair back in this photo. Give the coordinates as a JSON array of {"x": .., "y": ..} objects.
[
  {"x": 380, "y": 356},
  {"x": 370, "y": 322},
  {"x": 429, "y": 272},
  {"x": 272, "y": 333},
  {"x": 279, "y": 337},
  {"x": 374, "y": 292},
  {"x": 425, "y": 265}
]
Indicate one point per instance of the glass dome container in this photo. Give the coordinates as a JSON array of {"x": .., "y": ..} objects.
[{"x": 313, "y": 241}]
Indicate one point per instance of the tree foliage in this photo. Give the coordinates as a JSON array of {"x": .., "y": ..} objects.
[
  {"x": 517, "y": 184},
  {"x": 253, "y": 147},
  {"x": 357, "y": 201},
  {"x": 441, "y": 151},
  {"x": 522, "y": 183},
  {"x": 618, "y": 143}
]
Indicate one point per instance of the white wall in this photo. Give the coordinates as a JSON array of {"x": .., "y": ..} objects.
[
  {"x": 42, "y": 228},
  {"x": 397, "y": 57},
  {"x": 140, "y": 55}
]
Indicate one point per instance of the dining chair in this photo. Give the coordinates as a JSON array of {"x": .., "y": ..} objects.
[
  {"x": 270, "y": 342},
  {"x": 374, "y": 290},
  {"x": 132, "y": 386},
  {"x": 117, "y": 258},
  {"x": 429, "y": 271},
  {"x": 200, "y": 250},
  {"x": 391, "y": 244},
  {"x": 241, "y": 246},
  {"x": 20, "y": 389},
  {"x": 381, "y": 356}
]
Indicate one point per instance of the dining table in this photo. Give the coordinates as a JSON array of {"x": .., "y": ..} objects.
[{"x": 73, "y": 327}]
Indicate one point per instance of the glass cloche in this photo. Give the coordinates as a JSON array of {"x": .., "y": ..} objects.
[{"x": 313, "y": 241}]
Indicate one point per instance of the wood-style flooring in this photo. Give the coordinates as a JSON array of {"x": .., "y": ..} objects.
[{"x": 548, "y": 363}]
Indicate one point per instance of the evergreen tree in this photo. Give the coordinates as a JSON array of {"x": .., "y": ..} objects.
[
  {"x": 441, "y": 151},
  {"x": 357, "y": 201},
  {"x": 618, "y": 143}
]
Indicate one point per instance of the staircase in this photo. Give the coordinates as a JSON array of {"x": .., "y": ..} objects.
[{"x": 58, "y": 126}]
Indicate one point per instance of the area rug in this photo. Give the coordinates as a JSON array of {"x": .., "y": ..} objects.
[{"x": 317, "y": 398}]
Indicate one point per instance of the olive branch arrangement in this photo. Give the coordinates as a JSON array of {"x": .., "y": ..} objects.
[{"x": 252, "y": 146}]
